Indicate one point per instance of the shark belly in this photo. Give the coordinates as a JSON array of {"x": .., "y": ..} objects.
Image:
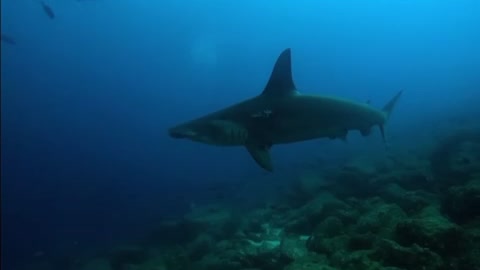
[
  {"x": 311, "y": 117},
  {"x": 300, "y": 131}
]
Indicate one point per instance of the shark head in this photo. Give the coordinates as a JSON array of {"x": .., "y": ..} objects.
[
  {"x": 244, "y": 124},
  {"x": 213, "y": 132},
  {"x": 197, "y": 132},
  {"x": 183, "y": 132}
]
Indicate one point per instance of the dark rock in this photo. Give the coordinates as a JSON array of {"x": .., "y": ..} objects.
[
  {"x": 353, "y": 179},
  {"x": 254, "y": 225},
  {"x": 431, "y": 230},
  {"x": 313, "y": 262},
  {"x": 306, "y": 218},
  {"x": 362, "y": 241},
  {"x": 416, "y": 179},
  {"x": 468, "y": 261},
  {"x": 95, "y": 264},
  {"x": 462, "y": 203},
  {"x": 268, "y": 251},
  {"x": 266, "y": 255},
  {"x": 173, "y": 232},
  {"x": 412, "y": 179},
  {"x": 121, "y": 257},
  {"x": 380, "y": 218},
  {"x": 200, "y": 247},
  {"x": 451, "y": 161},
  {"x": 212, "y": 219},
  {"x": 293, "y": 248},
  {"x": 218, "y": 261},
  {"x": 46, "y": 265},
  {"x": 331, "y": 226},
  {"x": 176, "y": 259},
  {"x": 354, "y": 260},
  {"x": 305, "y": 187},
  {"x": 328, "y": 246},
  {"x": 410, "y": 201},
  {"x": 413, "y": 257}
]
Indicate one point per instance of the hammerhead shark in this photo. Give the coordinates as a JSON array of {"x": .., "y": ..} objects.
[{"x": 281, "y": 115}]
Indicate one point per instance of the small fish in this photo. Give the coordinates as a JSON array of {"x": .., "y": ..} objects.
[
  {"x": 8, "y": 39},
  {"x": 48, "y": 10}
]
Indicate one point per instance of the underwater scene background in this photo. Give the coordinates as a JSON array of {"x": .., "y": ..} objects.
[{"x": 91, "y": 180}]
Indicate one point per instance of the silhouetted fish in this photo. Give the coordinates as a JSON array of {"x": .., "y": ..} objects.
[
  {"x": 48, "y": 10},
  {"x": 8, "y": 39}
]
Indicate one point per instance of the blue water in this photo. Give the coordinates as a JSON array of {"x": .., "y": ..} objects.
[{"x": 88, "y": 96}]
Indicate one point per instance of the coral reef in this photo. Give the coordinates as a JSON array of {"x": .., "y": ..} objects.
[
  {"x": 456, "y": 158},
  {"x": 395, "y": 213}
]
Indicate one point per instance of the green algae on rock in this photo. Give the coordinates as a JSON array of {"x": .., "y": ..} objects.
[
  {"x": 430, "y": 229},
  {"x": 391, "y": 253},
  {"x": 97, "y": 264},
  {"x": 453, "y": 162},
  {"x": 462, "y": 203}
]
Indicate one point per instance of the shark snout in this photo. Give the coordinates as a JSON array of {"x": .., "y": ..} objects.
[
  {"x": 175, "y": 134},
  {"x": 180, "y": 133}
]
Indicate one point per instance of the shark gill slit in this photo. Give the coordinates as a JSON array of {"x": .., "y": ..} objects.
[
  {"x": 240, "y": 134},
  {"x": 233, "y": 136}
]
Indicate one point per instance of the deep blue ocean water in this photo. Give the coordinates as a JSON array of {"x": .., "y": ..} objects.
[{"x": 87, "y": 98}]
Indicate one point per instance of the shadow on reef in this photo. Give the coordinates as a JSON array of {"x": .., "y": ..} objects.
[
  {"x": 401, "y": 212},
  {"x": 456, "y": 158},
  {"x": 455, "y": 165}
]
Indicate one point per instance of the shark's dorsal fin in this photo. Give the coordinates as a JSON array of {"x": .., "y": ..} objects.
[
  {"x": 281, "y": 81},
  {"x": 261, "y": 155}
]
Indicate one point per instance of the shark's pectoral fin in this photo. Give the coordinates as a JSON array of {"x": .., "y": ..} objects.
[
  {"x": 261, "y": 155},
  {"x": 382, "y": 131}
]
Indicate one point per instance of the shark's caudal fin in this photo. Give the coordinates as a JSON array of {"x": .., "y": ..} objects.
[
  {"x": 387, "y": 109},
  {"x": 281, "y": 81}
]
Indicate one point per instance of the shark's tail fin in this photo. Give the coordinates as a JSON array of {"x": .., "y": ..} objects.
[{"x": 388, "y": 108}]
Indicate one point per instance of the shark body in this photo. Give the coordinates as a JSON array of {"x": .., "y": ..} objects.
[{"x": 281, "y": 115}]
